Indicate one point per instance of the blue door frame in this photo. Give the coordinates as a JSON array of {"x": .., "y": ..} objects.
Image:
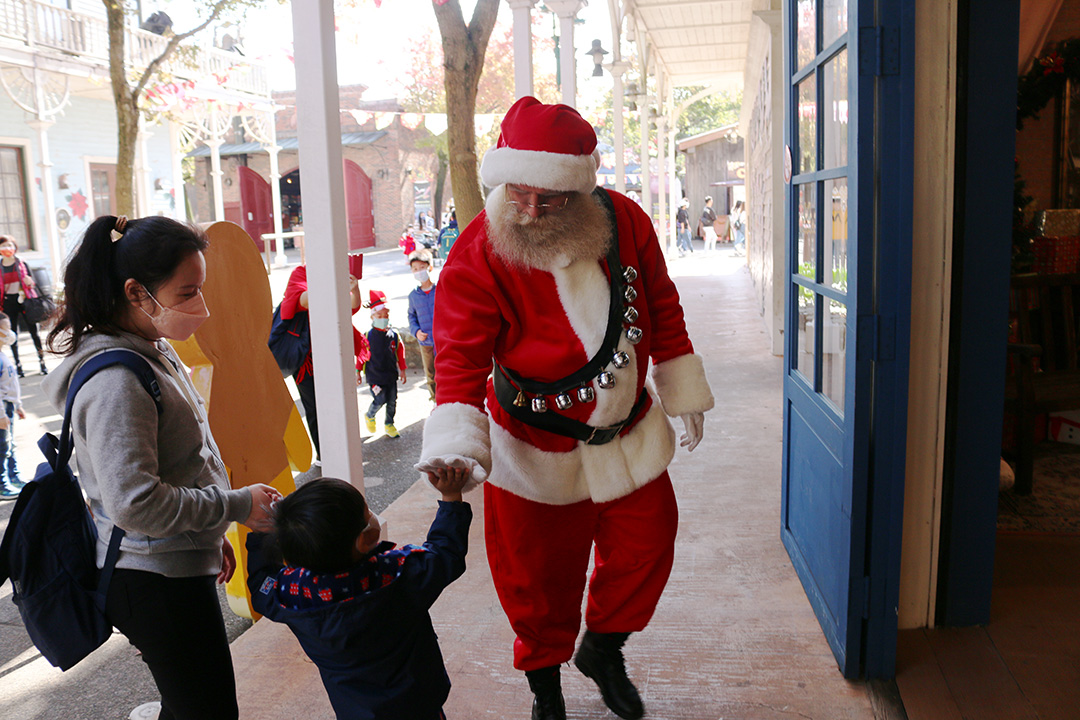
[
  {"x": 849, "y": 289},
  {"x": 987, "y": 47}
]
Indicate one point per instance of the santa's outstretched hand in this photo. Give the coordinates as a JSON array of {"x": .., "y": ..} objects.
[
  {"x": 694, "y": 426},
  {"x": 446, "y": 467}
]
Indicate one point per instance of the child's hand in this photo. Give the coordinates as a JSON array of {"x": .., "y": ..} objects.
[
  {"x": 449, "y": 481},
  {"x": 20, "y": 413},
  {"x": 402, "y": 377}
]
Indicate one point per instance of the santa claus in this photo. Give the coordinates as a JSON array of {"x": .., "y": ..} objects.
[{"x": 552, "y": 305}]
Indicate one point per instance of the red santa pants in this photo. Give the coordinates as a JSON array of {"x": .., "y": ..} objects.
[{"x": 539, "y": 558}]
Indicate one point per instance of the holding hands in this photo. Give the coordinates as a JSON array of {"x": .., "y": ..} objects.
[
  {"x": 261, "y": 518},
  {"x": 449, "y": 481}
]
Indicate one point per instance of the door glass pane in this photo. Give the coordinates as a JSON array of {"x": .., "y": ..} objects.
[
  {"x": 9, "y": 160},
  {"x": 834, "y": 120},
  {"x": 806, "y": 252},
  {"x": 833, "y": 20},
  {"x": 102, "y": 193},
  {"x": 834, "y": 352},
  {"x": 806, "y": 12},
  {"x": 836, "y": 233},
  {"x": 803, "y": 363},
  {"x": 808, "y": 124}
]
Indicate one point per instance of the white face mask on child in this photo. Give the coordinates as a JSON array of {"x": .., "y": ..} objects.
[
  {"x": 380, "y": 323},
  {"x": 421, "y": 276},
  {"x": 7, "y": 337}
]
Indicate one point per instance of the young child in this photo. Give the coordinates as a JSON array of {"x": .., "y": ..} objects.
[
  {"x": 422, "y": 312},
  {"x": 10, "y": 482},
  {"x": 360, "y": 607},
  {"x": 385, "y": 366}
]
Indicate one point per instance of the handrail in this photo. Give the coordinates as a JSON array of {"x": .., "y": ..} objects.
[{"x": 38, "y": 24}]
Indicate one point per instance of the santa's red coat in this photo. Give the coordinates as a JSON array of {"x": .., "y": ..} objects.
[{"x": 546, "y": 324}]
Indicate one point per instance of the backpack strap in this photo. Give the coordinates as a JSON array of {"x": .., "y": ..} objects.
[{"x": 119, "y": 356}]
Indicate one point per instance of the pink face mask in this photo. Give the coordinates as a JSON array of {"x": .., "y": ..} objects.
[{"x": 180, "y": 321}]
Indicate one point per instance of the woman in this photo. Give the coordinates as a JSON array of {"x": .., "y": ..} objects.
[
  {"x": 158, "y": 476},
  {"x": 17, "y": 284}
]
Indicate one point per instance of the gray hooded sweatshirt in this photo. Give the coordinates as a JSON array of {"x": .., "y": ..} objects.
[{"x": 159, "y": 477}]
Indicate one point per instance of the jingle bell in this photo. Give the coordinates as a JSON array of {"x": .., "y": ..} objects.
[
  {"x": 620, "y": 359},
  {"x": 606, "y": 380},
  {"x": 631, "y": 315},
  {"x": 563, "y": 401},
  {"x": 634, "y": 335},
  {"x": 629, "y": 274},
  {"x": 585, "y": 394},
  {"x": 539, "y": 405},
  {"x": 520, "y": 400},
  {"x": 630, "y": 294}
]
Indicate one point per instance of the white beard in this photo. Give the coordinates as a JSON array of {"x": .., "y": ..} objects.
[{"x": 580, "y": 231}]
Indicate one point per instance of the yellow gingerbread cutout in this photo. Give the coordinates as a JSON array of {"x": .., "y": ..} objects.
[{"x": 253, "y": 418}]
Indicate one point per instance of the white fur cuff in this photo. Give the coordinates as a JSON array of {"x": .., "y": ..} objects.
[
  {"x": 457, "y": 429},
  {"x": 682, "y": 386}
]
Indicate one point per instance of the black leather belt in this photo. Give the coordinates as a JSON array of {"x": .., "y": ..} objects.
[{"x": 558, "y": 424}]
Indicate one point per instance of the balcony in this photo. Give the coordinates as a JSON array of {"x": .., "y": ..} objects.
[{"x": 39, "y": 26}]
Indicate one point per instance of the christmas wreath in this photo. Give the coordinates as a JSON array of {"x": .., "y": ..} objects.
[{"x": 1046, "y": 80}]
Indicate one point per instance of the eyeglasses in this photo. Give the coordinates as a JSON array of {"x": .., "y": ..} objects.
[{"x": 551, "y": 203}]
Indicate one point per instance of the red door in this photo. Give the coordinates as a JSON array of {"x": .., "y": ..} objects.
[
  {"x": 256, "y": 205},
  {"x": 358, "y": 207}
]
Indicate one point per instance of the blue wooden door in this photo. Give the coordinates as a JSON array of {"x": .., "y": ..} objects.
[{"x": 848, "y": 299}]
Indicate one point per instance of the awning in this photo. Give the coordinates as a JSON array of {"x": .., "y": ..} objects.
[{"x": 352, "y": 139}]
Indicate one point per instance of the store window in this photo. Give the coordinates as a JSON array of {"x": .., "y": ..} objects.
[{"x": 14, "y": 217}]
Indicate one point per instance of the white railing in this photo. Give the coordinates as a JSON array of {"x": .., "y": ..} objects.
[{"x": 37, "y": 24}]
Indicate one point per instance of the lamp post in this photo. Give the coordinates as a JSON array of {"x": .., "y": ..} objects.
[{"x": 597, "y": 53}]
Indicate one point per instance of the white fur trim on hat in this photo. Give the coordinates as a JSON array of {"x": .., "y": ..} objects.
[
  {"x": 682, "y": 386},
  {"x": 551, "y": 171}
]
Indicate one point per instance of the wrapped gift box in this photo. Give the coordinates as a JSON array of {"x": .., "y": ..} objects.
[
  {"x": 1059, "y": 223},
  {"x": 1065, "y": 427},
  {"x": 1055, "y": 255}
]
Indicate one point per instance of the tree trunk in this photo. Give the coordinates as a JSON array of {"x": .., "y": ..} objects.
[
  {"x": 440, "y": 186},
  {"x": 127, "y": 111},
  {"x": 463, "y": 57}
]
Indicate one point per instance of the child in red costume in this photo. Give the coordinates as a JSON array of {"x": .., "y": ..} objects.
[{"x": 567, "y": 290}]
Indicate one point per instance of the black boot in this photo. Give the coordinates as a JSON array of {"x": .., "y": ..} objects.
[
  {"x": 600, "y": 658},
  {"x": 546, "y": 686},
  {"x": 41, "y": 359},
  {"x": 19, "y": 370}
]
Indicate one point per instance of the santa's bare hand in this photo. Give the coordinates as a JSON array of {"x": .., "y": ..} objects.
[{"x": 694, "y": 425}]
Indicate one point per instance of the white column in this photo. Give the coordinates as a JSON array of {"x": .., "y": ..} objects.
[
  {"x": 673, "y": 199},
  {"x": 215, "y": 141},
  {"x": 56, "y": 256},
  {"x": 275, "y": 193},
  {"x": 617, "y": 70},
  {"x": 180, "y": 212},
  {"x": 523, "y": 65},
  {"x": 661, "y": 171},
  {"x": 567, "y": 10},
  {"x": 319, "y": 131},
  {"x": 144, "y": 186}
]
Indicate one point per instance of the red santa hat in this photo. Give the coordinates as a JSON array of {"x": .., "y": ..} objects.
[
  {"x": 377, "y": 301},
  {"x": 543, "y": 146}
]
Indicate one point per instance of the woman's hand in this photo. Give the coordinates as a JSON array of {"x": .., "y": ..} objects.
[
  {"x": 228, "y": 561},
  {"x": 261, "y": 518}
]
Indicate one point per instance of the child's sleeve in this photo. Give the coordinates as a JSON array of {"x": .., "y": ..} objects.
[
  {"x": 444, "y": 560},
  {"x": 262, "y": 576},
  {"x": 400, "y": 349}
]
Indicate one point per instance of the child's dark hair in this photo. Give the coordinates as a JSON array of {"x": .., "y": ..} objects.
[
  {"x": 316, "y": 527},
  {"x": 149, "y": 251}
]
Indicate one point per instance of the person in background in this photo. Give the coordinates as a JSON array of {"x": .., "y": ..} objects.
[
  {"x": 407, "y": 242},
  {"x": 294, "y": 301},
  {"x": 682, "y": 226},
  {"x": 10, "y": 481},
  {"x": 17, "y": 284},
  {"x": 153, "y": 471},
  {"x": 385, "y": 366},
  {"x": 448, "y": 236},
  {"x": 421, "y": 314},
  {"x": 738, "y": 227},
  {"x": 708, "y": 217}
]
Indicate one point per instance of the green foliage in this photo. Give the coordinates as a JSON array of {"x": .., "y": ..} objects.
[{"x": 708, "y": 113}]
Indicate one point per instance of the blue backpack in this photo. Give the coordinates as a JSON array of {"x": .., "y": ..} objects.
[
  {"x": 49, "y": 549},
  {"x": 290, "y": 341}
]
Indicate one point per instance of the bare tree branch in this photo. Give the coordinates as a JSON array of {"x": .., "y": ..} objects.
[{"x": 174, "y": 42}]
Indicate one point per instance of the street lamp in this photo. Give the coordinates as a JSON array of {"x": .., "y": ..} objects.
[{"x": 598, "y": 54}]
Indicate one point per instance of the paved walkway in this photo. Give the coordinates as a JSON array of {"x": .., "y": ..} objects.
[{"x": 733, "y": 637}]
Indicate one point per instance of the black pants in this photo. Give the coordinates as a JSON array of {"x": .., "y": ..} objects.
[
  {"x": 176, "y": 623},
  {"x": 14, "y": 310},
  {"x": 307, "y": 399}
]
